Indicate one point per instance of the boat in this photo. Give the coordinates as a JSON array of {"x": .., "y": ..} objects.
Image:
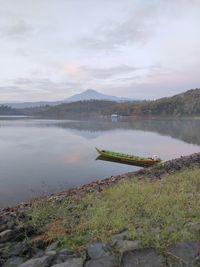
[
  {"x": 127, "y": 159},
  {"x": 114, "y": 115}
]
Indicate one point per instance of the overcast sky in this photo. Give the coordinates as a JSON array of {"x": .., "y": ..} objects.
[{"x": 52, "y": 49}]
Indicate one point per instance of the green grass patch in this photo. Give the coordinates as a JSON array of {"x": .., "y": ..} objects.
[{"x": 159, "y": 212}]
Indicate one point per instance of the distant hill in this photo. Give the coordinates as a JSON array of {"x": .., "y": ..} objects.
[
  {"x": 89, "y": 94},
  {"x": 5, "y": 110},
  {"x": 185, "y": 104},
  {"x": 21, "y": 105},
  {"x": 79, "y": 108}
]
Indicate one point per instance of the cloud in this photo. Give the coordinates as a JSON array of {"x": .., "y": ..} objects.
[
  {"x": 15, "y": 29},
  {"x": 90, "y": 72},
  {"x": 136, "y": 29},
  {"x": 106, "y": 73},
  {"x": 118, "y": 45},
  {"x": 42, "y": 84},
  {"x": 24, "y": 89}
]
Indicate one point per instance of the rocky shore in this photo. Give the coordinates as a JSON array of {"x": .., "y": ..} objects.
[{"x": 21, "y": 245}]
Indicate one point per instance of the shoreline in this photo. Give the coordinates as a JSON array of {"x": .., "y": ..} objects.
[
  {"x": 67, "y": 228},
  {"x": 155, "y": 172}
]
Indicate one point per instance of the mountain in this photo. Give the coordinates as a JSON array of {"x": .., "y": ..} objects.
[
  {"x": 92, "y": 103},
  {"x": 19, "y": 105},
  {"x": 89, "y": 94},
  {"x": 184, "y": 104}
]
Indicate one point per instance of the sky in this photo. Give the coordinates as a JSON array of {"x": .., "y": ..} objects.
[{"x": 143, "y": 49}]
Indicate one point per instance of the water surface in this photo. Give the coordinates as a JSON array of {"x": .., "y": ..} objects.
[{"x": 41, "y": 156}]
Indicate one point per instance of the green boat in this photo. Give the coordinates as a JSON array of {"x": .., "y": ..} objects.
[{"x": 128, "y": 159}]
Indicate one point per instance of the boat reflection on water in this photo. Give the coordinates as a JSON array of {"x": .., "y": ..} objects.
[
  {"x": 116, "y": 161},
  {"x": 114, "y": 117}
]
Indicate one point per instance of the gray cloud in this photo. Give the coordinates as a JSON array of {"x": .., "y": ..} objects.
[
  {"x": 42, "y": 83},
  {"x": 34, "y": 88},
  {"x": 136, "y": 29},
  {"x": 106, "y": 73},
  {"x": 15, "y": 29},
  {"x": 11, "y": 89},
  {"x": 128, "y": 79}
]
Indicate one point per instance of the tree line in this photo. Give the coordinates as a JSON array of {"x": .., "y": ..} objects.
[{"x": 185, "y": 104}]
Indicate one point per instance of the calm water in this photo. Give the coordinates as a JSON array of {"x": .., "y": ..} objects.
[{"x": 38, "y": 157}]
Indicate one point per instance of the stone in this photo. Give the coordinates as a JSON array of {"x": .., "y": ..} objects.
[
  {"x": 19, "y": 249},
  {"x": 44, "y": 261},
  {"x": 38, "y": 242},
  {"x": 63, "y": 255},
  {"x": 185, "y": 253},
  {"x": 13, "y": 262},
  {"x": 108, "y": 261},
  {"x": 7, "y": 235},
  {"x": 142, "y": 258},
  {"x": 195, "y": 227},
  {"x": 96, "y": 250},
  {"x": 37, "y": 253},
  {"x": 127, "y": 245},
  {"x": 53, "y": 246},
  {"x": 2, "y": 261},
  {"x": 51, "y": 253},
  {"x": 121, "y": 236},
  {"x": 73, "y": 262}
]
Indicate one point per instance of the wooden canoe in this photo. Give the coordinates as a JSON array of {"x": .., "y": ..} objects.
[{"x": 128, "y": 159}]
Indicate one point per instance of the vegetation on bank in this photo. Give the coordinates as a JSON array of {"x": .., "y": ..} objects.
[
  {"x": 159, "y": 212},
  {"x": 6, "y": 110},
  {"x": 185, "y": 104}
]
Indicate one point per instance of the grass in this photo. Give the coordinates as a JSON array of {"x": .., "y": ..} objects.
[{"x": 158, "y": 213}]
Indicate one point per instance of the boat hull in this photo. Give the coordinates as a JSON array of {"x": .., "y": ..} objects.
[{"x": 126, "y": 159}]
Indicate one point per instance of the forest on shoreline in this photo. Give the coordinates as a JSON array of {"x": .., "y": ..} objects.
[{"x": 184, "y": 104}]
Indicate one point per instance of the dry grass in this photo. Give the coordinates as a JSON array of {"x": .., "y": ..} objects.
[{"x": 159, "y": 213}]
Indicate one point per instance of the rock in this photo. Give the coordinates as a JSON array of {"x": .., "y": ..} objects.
[
  {"x": 29, "y": 230},
  {"x": 5, "y": 250},
  {"x": 183, "y": 253},
  {"x": 7, "y": 222},
  {"x": 63, "y": 255},
  {"x": 127, "y": 245},
  {"x": 74, "y": 262},
  {"x": 37, "y": 253},
  {"x": 195, "y": 227},
  {"x": 51, "y": 253},
  {"x": 142, "y": 258},
  {"x": 19, "y": 249},
  {"x": 44, "y": 261},
  {"x": 121, "y": 236},
  {"x": 53, "y": 246},
  {"x": 96, "y": 250},
  {"x": 13, "y": 262},
  {"x": 2, "y": 261},
  {"x": 7, "y": 235},
  {"x": 38, "y": 242},
  {"x": 108, "y": 261}
]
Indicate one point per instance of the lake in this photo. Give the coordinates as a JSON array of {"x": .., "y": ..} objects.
[{"x": 41, "y": 156}]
